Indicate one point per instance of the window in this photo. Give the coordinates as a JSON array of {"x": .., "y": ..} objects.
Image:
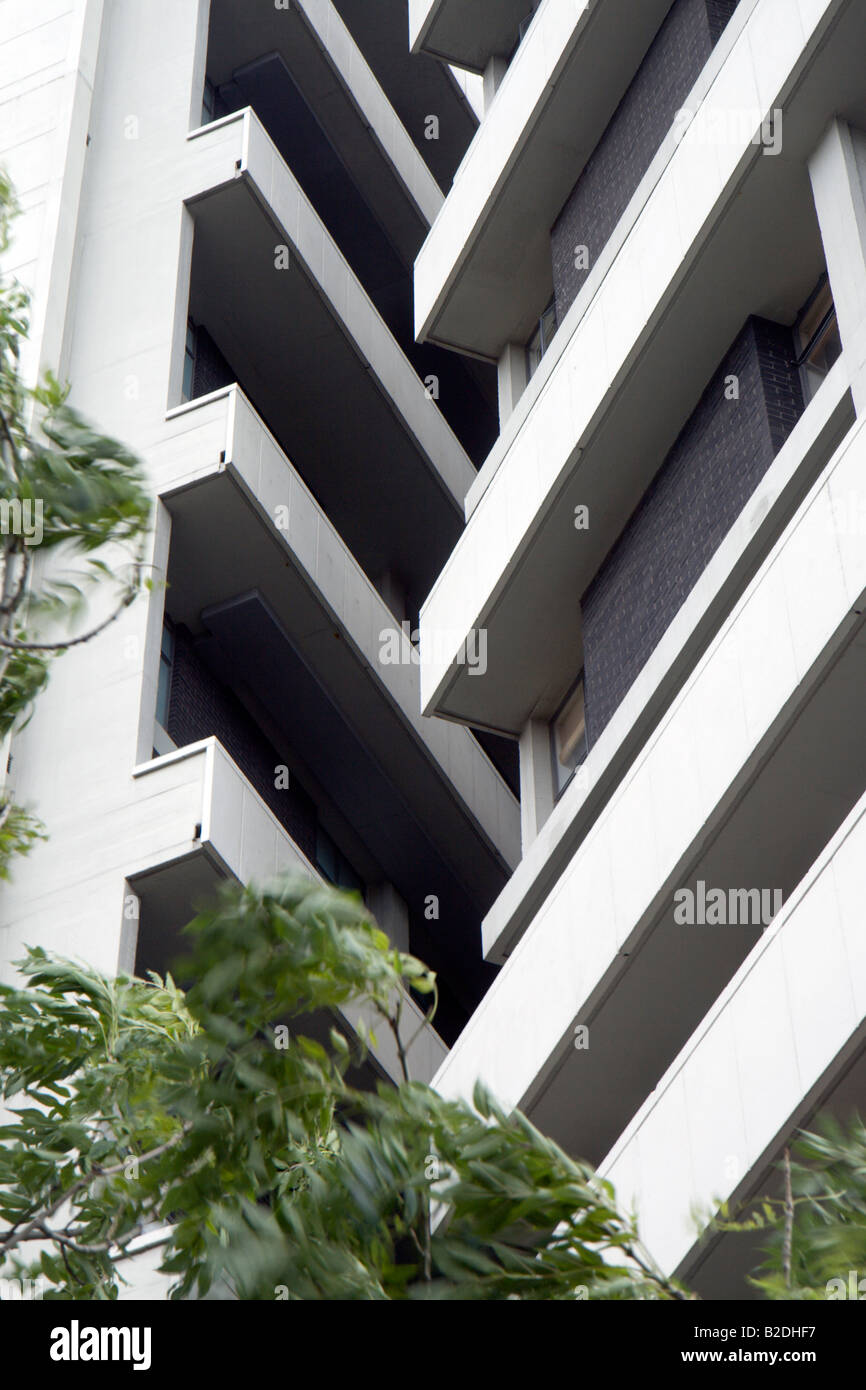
[
  {"x": 189, "y": 361},
  {"x": 568, "y": 737},
  {"x": 209, "y": 100},
  {"x": 540, "y": 340},
  {"x": 166, "y": 663},
  {"x": 334, "y": 866},
  {"x": 525, "y": 23},
  {"x": 818, "y": 340}
]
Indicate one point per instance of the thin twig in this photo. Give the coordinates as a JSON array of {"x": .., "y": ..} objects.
[
  {"x": 10, "y": 1239},
  {"x": 788, "y": 1239},
  {"x": 14, "y": 645}
]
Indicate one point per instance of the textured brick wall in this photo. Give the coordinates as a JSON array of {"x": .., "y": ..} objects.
[
  {"x": 201, "y": 707},
  {"x": 700, "y": 490},
  {"x": 637, "y": 128},
  {"x": 211, "y": 369}
]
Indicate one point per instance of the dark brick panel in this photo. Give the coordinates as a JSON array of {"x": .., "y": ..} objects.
[
  {"x": 707, "y": 478},
  {"x": 211, "y": 369},
  {"x": 201, "y": 707},
  {"x": 637, "y": 128}
]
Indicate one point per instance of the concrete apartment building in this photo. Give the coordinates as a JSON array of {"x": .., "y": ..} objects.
[
  {"x": 659, "y": 235},
  {"x": 577, "y": 391},
  {"x": 221, "y": 204}
]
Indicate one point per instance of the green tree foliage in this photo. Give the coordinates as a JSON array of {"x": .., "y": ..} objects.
[
  {"x": 221, "y": 1113},
  {"x": 815, "y": 1232},
  {"x": 233, "y": 1115}
]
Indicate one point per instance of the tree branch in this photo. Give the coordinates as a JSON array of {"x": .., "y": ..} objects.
[
  {"x": 10, "y": 1240},
  {"x": 13, "y": 644}
]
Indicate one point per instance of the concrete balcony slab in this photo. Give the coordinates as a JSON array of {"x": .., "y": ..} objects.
[{"x": 233, "y": 836}]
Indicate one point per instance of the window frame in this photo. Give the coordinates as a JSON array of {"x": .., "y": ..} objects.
[
  {"x": 165, "y": 673},
  {"x": 558, "y": 768},
  {"x": 812, "y": 373},
  {"x": 543, "y": 336},
  {"x": 187, "y": 387}
]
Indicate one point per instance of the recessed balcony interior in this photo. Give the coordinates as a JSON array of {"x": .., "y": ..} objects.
[
  {"x": 169, "y": 897},
  {"x": 718, "y": 1266},
  {"x": 285, "y": 346},
  {"x": 417, "y": 86},
  {"x": 772, "y": 826},
  {"x": 533, "y": 623},
  {"x": 272, "y": 61},
  {"x": 501, "y": 279},
  {"x": 468, "y": 33},
  {"x": 265, "y": 638}
]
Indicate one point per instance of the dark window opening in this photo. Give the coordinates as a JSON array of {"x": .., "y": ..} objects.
[
  {"x": 541, "y": 340},
  {"x": 333, "y": 864},
  {"x": 817, "y": 337},
  {"x": 166, "y": 663},
  {"x": 188, "y": 389},
  {"x": 525, "y": 23}
]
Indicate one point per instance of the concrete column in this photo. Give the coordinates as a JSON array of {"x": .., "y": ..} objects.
[
  {"x": 390, "y": 912},
  {"x": 130, "y": 921},
  {"x": 837, "y": 169},
  {"x": 493, "y": 75},
  {"x": 536, "y": 780},
  {"x": 512, "y": 379},
  {"x": 393, "y": 593},
  {"x": 152, "y": 636}
]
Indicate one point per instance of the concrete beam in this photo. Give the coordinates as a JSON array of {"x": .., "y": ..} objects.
[
  {"x": 838, "y": 173},
  {"x": 512, "y": 379},
  {"x": 536, "y": 780}
]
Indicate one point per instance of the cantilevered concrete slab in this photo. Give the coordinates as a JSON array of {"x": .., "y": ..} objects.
[
  {"x": 811, "y": 444},
  {"x": 212, "y": 827},
  {"x": 416, "y": 85},
  {"x": 467, "y": 33},
  {"x": 335, "y": 78},
  {"x": 785, "y": 1042},
  {"x": 484, "y": 274},
  {"x": 307, "y": 575},
  {"x": 297, "y": 628},
  {"x": 630, "y": 361},
  {"x": 755, "y": 766},
  {"x": 320, "y": 365}
]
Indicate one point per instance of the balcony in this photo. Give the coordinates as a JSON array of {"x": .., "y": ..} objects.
[
  {"x": 287, "y": 618},
  {"x": 785, "y": 1041},
  {"x": 787, "y": 481},
  {"x": 332, "y": 76},
  {"x": 308, "y": 82},
  {"x": 483, "y": 276},
  {"x": 467, "y": 33},
  {"x": 207, "y": 825},
  {"x": 416, "y": 88},
  {"x": 682, "y": 273},
  {"x": 317, "y": 358},
  {"x": 753, "y": 768}
]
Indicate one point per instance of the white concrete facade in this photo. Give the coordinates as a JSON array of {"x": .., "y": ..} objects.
[
  {"x": 101, "y": 130},
  {"x": 735, "y": 758},
  {"x": 730, "y": 758}
]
